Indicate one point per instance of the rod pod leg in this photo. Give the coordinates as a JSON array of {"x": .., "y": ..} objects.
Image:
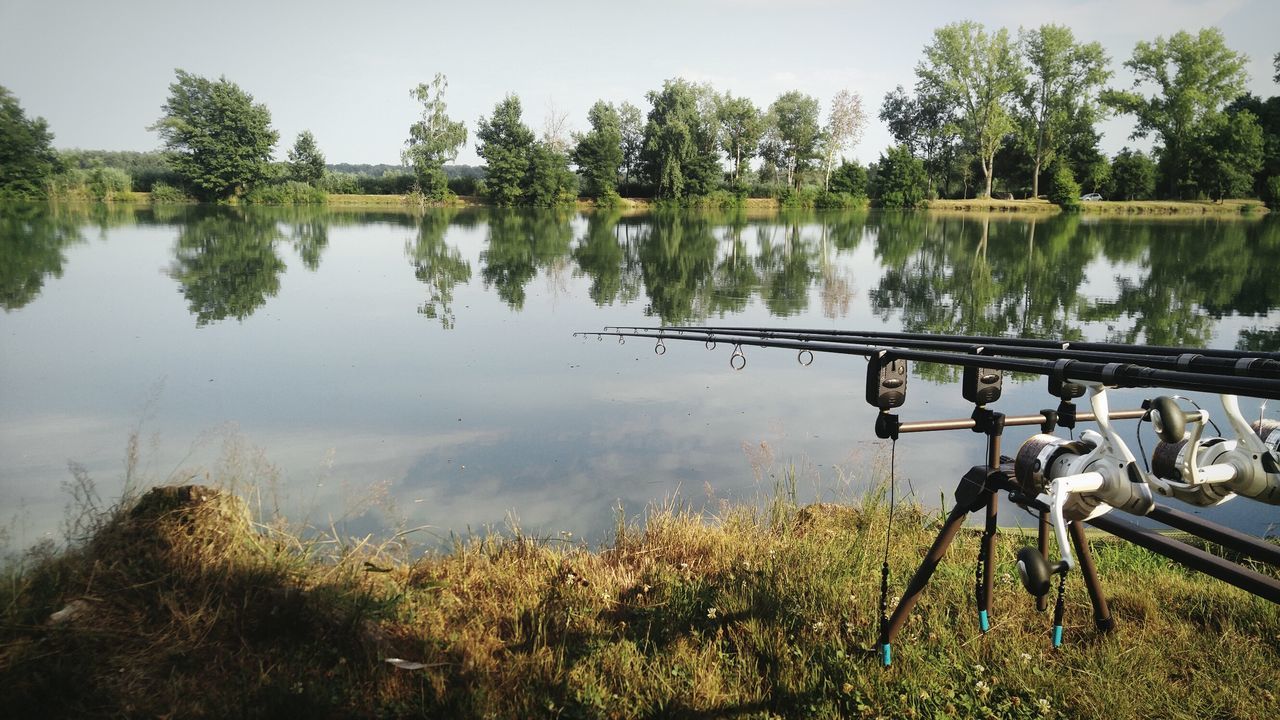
[
  {"x": 972, "y": 500},
  {"x": 988, "y": 565},
  {"x": 1101, "y": 613}
]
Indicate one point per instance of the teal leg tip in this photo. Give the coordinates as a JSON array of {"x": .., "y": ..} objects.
[
  {"x": 886, "y": 654},
  {"x": 983, "y": 621},
  {"x": 1057, "y": 635}
]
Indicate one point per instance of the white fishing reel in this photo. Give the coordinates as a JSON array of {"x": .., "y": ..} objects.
[
  {"x": 1209, "y": 471},
  {"x": 1077, "y": 480}
]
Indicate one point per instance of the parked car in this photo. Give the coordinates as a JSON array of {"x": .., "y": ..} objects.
[{"x": 1091, "y": 197}]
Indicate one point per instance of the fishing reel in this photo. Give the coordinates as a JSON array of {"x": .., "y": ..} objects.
[
  {"x": 1075, "y": 480},
  {"x": 1209, "y": 471}
]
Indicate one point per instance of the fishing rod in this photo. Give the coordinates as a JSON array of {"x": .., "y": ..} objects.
[
  {"x": 1202, "y": 361},
  {"x": 987, "y": 340},
  {"x": 1068, "y": 482},
  {"x": 1112, "y": 374}
]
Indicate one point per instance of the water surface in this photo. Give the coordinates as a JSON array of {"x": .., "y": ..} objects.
[{"x": 374, "y": 369}]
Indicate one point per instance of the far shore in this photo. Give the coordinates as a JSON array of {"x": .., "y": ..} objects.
[{"x": 1155, "y": 208}]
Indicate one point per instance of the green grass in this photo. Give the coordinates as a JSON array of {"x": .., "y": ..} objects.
[{"x": 189, "y": 608}]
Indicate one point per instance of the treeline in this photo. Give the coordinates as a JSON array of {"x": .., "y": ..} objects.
[{"x": 991, "y": 113}]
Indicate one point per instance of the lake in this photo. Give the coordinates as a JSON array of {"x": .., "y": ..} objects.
[{"x": 372, "y": 370}]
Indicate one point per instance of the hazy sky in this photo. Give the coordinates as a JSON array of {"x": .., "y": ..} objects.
[{"x": 99, "y": 72}]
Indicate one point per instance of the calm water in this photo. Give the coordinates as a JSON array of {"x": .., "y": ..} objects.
[{"x": 369, "y": 369}]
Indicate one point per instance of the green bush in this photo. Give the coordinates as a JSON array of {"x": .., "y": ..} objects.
[
  {"x": 1271, "y": 192},
  {"x": 166, "y": 194},
  {"x": 107, "y": 183},
  {"x": 839, "y": 201},
  {"x": 851, "y": 179},
  {"x": 805, "y": 197},
  {"x": 900, "y": 179},
  {"x": 287, "y": 193},
  {"x": 609, "y": 199},
  {"x": 716, "y": 200},
  {"x": 340, "y": 183},
  {"x": 1065, "y": 191},
  {"x": 98, "y": 184}
]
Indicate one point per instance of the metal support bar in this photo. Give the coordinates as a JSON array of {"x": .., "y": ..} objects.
[
  {"x": 1234, "y": 540},
  {"x": 1017, "y": 420},
  {"x": 1254, "y": 583}
]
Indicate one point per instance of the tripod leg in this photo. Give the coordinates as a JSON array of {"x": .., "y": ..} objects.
[
  {"x": 1101, "y": 613},
  {"x": 955, "y": 520},
  {"x": 988, "y": 564},
  {"x": 1042, "y": 541}
]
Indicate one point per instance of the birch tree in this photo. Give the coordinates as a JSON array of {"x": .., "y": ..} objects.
[{"x": 843, "y": 131}]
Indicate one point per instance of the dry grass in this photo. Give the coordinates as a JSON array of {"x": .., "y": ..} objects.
[
  {"x": 182, "y": 606},
  {"x": 1106, "y": 207},
  {"x": 1170, "y": 207},
  {"x": 993, "y": 205}
]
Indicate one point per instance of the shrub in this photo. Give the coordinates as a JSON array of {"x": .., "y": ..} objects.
[
  {"x": 1065, "y": 192},
  {"x": 340, "y": 183},
  {"x": 166, "y": 194},
  {"x": 287, "y": 193},
  {"x": 851, "y": 179},
  {"x": 716, "y": 200},
  {"x": 839, "y": 201},
  {"x": 107, "y": 183},
  {"x": 804, "y": 197},
  {"x": 1271, "y": 192},
  {"x": 609, "y": 199},
  {"x": 900, "y": 179}
]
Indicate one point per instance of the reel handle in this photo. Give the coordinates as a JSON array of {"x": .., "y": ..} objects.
[{"x": 1169, "y": 421}]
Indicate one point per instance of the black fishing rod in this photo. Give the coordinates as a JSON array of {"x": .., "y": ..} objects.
[
  {"x": 1114, "y": 374},
  {"x": 983, "y": 340},
  {"x": 1011, "y": 347}
]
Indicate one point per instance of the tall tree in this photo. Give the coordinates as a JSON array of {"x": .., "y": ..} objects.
[
  {"x": 433, "y": 140},
  {"x": 899, "y": 180},
  {"x": 680, "y": 140},
  {"x": 548, "y": 180},
  {"x": 505, "y": 145},
  {"x": 1133, "y": 175},
  {"x": 1063, "y": 82},
  {"x": 306, "y": 162},
  {"x": 741, "y": 127},
  {"x": 926, "y": 126},
  {"x": 844, "y": 129},
  {"x": 217, "y": 138},
  {"x": 1194, "y": 76},
  {"x": 631, "y": 123},
  {"x": 794, "y": 134},
  {"x": 27, "y": 157},
  {"x": 976, "y": 73},
  {"x": 1225, "y": 158},
  {"x": 599, "y": 153}
]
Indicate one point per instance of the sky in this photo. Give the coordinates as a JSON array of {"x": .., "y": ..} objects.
[{"x": 99, "y": 72}]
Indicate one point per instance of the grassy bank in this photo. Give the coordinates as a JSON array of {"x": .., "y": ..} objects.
[
  {"x": 1106, "y": 207},
  {"x": 183, "y": 607}
]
